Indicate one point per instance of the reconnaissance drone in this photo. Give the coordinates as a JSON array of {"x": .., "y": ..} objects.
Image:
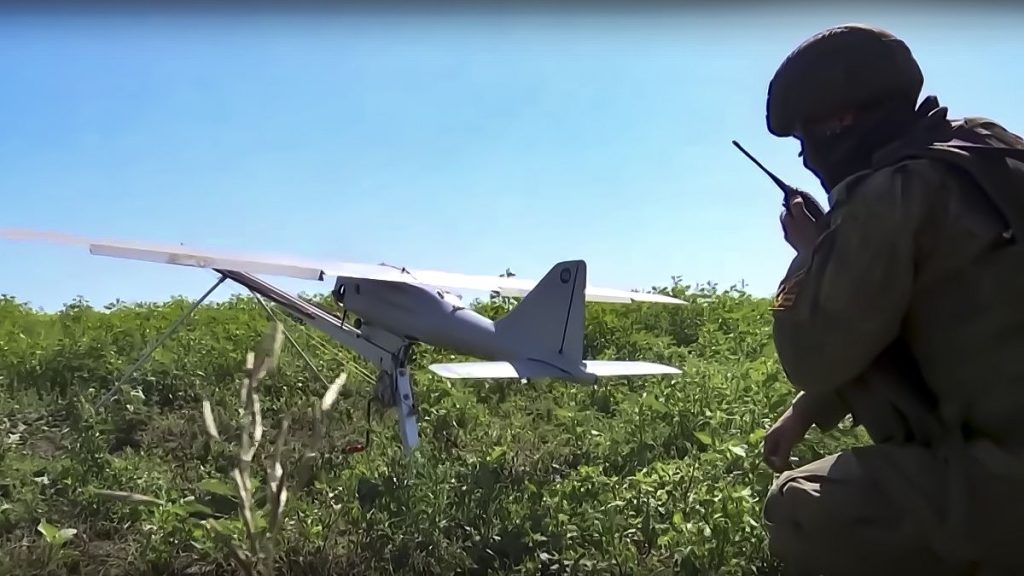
[{"x": 396, "y": 308}]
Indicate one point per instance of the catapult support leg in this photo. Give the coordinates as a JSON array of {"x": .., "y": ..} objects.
[
  {"x": 407, "y": 427},
  {"x": 156, "y": 343}
]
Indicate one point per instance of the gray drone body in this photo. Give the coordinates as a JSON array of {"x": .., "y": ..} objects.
[{"x": 542, "y": 337}]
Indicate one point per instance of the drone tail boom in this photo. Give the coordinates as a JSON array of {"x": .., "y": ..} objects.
[{"x": 548, "y": 321}]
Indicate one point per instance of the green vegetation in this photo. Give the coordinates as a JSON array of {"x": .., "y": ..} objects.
[{"x": 644, "y": 476}]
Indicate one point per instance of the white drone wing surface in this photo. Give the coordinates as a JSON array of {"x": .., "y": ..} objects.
[
  {"x": 183, "y": 256},
  {"x": 273, "y": 265},
  {"x": 530, "y": 369},
  {"x": 598, "y": 294},
  {"x": 512, "y": 287},
  {"x": 278, "y": 265}
]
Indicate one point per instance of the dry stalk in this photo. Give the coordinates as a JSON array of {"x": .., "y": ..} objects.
[{"x": 256, "y": 556}]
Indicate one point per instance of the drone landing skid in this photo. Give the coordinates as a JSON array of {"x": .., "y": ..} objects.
[{"x": 387, "y": 352}]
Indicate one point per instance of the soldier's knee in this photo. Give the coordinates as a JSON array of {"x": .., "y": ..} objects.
[
  {"x": 782, "y": 503},
  {"x": 811, "y": 523},
  {"x": 782, "y": 516},
  {"x": 794, "y": 501},
  {"x": 800, "y": 535}
]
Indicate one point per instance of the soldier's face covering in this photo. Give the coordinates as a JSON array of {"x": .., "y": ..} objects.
[{"x": 834, "y": 152}]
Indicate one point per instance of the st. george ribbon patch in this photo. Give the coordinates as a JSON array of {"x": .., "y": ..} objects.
[{"x": 786, "y": 294}]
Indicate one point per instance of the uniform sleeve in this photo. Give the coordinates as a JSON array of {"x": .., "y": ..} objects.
[
  {"x": 843, "y": 303},
  {"x": 823, "y": 409}
]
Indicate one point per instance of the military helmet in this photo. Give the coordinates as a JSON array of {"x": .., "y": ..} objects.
[{"x": 840, "y": 69}]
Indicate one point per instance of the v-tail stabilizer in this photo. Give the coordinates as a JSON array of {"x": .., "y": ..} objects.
[{"x": 548, "y": 326}]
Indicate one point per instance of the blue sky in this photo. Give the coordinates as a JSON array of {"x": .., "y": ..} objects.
[{"x": 467, "y": 144}]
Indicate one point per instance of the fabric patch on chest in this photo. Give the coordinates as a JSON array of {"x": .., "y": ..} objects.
[{"x": 785, "y": 296}]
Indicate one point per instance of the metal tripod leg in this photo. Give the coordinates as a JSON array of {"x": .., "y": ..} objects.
[
  {"x": 394, "y": 390},
  {"x": 156, "y": 343},
  {"x": 406, "y": 408}
]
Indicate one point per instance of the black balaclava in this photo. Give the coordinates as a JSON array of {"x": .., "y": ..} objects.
[{"x": 835, "y": 156}]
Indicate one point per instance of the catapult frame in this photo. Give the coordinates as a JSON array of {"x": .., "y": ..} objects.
[{"x": 387, "y": 352}]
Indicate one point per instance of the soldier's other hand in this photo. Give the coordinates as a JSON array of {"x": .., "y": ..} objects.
[
  {"x": 781, "y": 438},
  {"x": 800, "y": 227}
]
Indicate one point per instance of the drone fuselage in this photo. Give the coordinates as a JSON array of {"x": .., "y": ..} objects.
[{"x": 422, "y": 314}]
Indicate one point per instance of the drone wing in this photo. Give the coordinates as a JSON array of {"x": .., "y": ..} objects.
[
  {"x": 495, "y": 370},
  {"x": 278, "y": 265},
  {"x": 182, "y": 256},
  {"x": 531, "y": 369},
  {"x": 610, "y": 368},
  {"x": 274, "y": 265},
  {"x": 511, "y": 287},
  {"x": 596, "y": 294}
]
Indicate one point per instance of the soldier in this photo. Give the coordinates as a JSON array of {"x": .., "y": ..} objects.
[{"x": 903, "y": 307}]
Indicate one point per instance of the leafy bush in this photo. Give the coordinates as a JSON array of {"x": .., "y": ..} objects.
[{"x": 648, "y": 475}]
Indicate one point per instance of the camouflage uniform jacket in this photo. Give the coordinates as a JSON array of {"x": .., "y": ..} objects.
[{"x": 917, "y": 263}]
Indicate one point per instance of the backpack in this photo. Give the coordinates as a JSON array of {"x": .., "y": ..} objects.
[
  {"x": 989, "y": 153},
  {"x": 900, "y": 408}
]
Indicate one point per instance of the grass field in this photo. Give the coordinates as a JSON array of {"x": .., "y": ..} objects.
[{"x": 644, "y": 476}]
